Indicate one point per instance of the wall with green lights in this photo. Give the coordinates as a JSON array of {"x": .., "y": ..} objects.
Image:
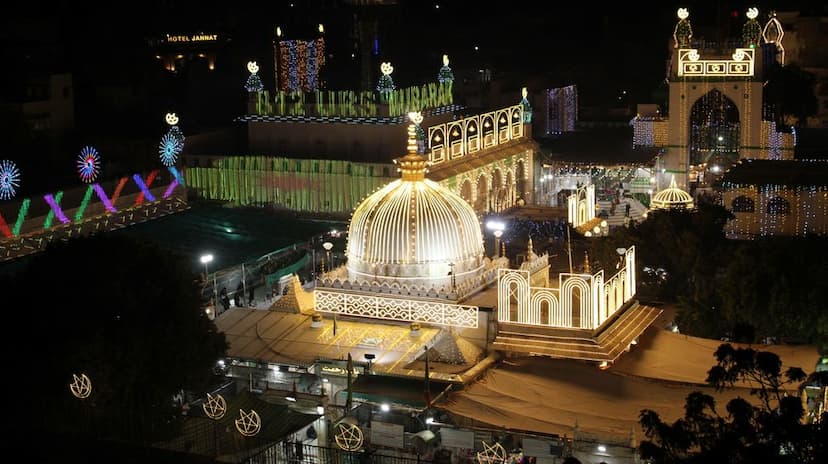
[{"x": 324, "y": 186}]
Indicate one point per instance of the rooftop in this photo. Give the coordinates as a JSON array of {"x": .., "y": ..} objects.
[{"x": 772, "y": 172}]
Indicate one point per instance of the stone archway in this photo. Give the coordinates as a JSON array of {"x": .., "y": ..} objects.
[
  {"x": 520, "y": 180},
  {"x": 510, "y": 189},
  {"x": 497, "y": 191},
  {"x": 481, "y": 202},
  {"x": 714, "y": 132},
  {"x": 466, "y": 191}
]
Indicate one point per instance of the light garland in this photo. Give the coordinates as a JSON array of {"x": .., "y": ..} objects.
[
  {"x": 144, "y": 186},
  {"x": 527, "y": 108},
  {"x": 386, "y": 84},
  {"x": 561, "y": 109},
  {"x": 299, "y": 64},
  {"x": 773, "y": 34},
  {"x": 683, "y": 31},
  {"x": 752, "y": 30},
  {"x": 445, "y": 76}
]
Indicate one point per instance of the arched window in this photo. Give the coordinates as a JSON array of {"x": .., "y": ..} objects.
[
  {"x": 779, "y": 206},
  {"x": 742, "y": 204}
]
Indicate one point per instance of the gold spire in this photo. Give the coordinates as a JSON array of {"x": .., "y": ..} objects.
[
  {"x": 412, "y": 165},
  {"x": 530, "y": 253},
  {"x": 586, "y": 262}
]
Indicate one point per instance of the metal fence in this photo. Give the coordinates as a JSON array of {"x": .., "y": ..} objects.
[{"x": 299, "y": 453}]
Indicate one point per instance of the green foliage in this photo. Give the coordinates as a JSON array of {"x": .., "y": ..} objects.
[
  {"x": 790, "y": 90},
  {"x": 770, "y": 431},
  {"x": 123, "y": 312}
]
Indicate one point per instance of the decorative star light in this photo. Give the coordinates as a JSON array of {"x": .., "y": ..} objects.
[
  {"x": 321, "y": 29},
  {"x": 683, "y": 13},
  {"x": 491, "y": 454},
  {"x": 386, "y": 68},
  {"x": 348, "y": 436},
  {"x": 752, "y": 13},
  {"x": 171, "y": 119},
  {"x": 89, "y": 164},
  {"x": 169, "y": 148},
  {"x": 248, "y": 424},
  {"x": 81, "y": 387},
  {"x": 9, "y": 179},
  {"x": 215, "y": 407},
  {"x": 252, "y": 67}
]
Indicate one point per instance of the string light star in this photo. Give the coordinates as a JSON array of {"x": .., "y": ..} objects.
[
  {"x": 215, "y": 407},
  {"x": 248, "y": 424},
  {"x": 81, "y": 387},
  {"x": 348, "y": 436},
  {"x": 491, "y": 454}
]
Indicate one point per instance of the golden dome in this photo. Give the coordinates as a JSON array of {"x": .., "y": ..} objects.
[
  {"x": 414, "y": 231},
  {"x": 672, "y": 198}
]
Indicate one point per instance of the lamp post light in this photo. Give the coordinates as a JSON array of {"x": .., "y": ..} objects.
[
  {"x": 497, "y": 234},
  {"x": 206, "y": 260},
  {"x": 621, "y": 252},
  {"x": 328, "y": 246}
]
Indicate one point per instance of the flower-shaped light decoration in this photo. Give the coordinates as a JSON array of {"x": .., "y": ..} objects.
[{"x": 89, "y": 164}]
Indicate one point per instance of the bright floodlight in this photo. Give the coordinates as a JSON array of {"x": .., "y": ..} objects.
[
  {"x": 385, "y": 407},
  {"x": 495, "y": 225},
  {"x": 498, "y": 233},
  {"x": 206, "y": 259},
  {"x": 320, "y": 409},
  {"x": 327, "y": 246},
  {"x": 620, "y": 251}
]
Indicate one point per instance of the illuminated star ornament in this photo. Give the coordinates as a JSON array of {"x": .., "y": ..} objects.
[
  {"x": 215, "y": 407},
  {"x": 169, "y": 149},
  {"x": 9, "y": 179},
  {"x": 348, "y": 435},
  {"x": 248, "y": 424},
  {"x": 491, "y": 454},
  {"x": 89, "y": 164},
  {"x": 81, "y": 387},
  {"x": 254, "y": 82}
]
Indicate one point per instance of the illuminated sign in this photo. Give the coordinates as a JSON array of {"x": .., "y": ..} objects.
[
  {"x": 192, "y": 38},
  {"x": 741, "y": 64}
]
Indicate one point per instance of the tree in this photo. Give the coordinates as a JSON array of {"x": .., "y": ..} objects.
[
  {"x": 791, "y": 90},
  {"x": 126, "y": 314},
  {"x": 768, "y": 429}
]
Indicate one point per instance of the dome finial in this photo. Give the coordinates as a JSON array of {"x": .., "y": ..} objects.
[
  {"x": 586, "y": 262},
  {"x": 412, "y": 165},
  {"x": 673, "y": 182}
]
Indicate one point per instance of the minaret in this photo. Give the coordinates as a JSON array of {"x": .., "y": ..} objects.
[
  {"x": 586, "y": 262},
  {"x": 530, "y": 253}
]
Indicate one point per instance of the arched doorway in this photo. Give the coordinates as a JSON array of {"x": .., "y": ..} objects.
[
  {"x": 510, "y": 189},
  {"x": 466, "y": 191},
  {"x": 481, "y": 203},
  {"x": 497, "y": 190},
  {"x": 714, "y": 131},
  {"x": 520, "y": 180}
]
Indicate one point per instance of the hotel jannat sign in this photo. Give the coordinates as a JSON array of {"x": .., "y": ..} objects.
[{"x": 192, "y": 38}]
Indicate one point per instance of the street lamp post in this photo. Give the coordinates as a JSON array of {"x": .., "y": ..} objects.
[
  {"x": 206, "y": 260},
  {"x": 497, "y": 233},
  {"x": 328, "y": 246}
]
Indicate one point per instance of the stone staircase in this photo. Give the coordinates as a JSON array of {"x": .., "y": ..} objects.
[
  {"x": 604, "y": 344},
  {"x": 637, "y": 211}
]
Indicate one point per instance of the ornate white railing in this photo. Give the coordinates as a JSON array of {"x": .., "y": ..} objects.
[{"x": 396, "y": 309}]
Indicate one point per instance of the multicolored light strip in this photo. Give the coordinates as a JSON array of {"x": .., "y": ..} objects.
[{"x": 54, "y": 202}]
